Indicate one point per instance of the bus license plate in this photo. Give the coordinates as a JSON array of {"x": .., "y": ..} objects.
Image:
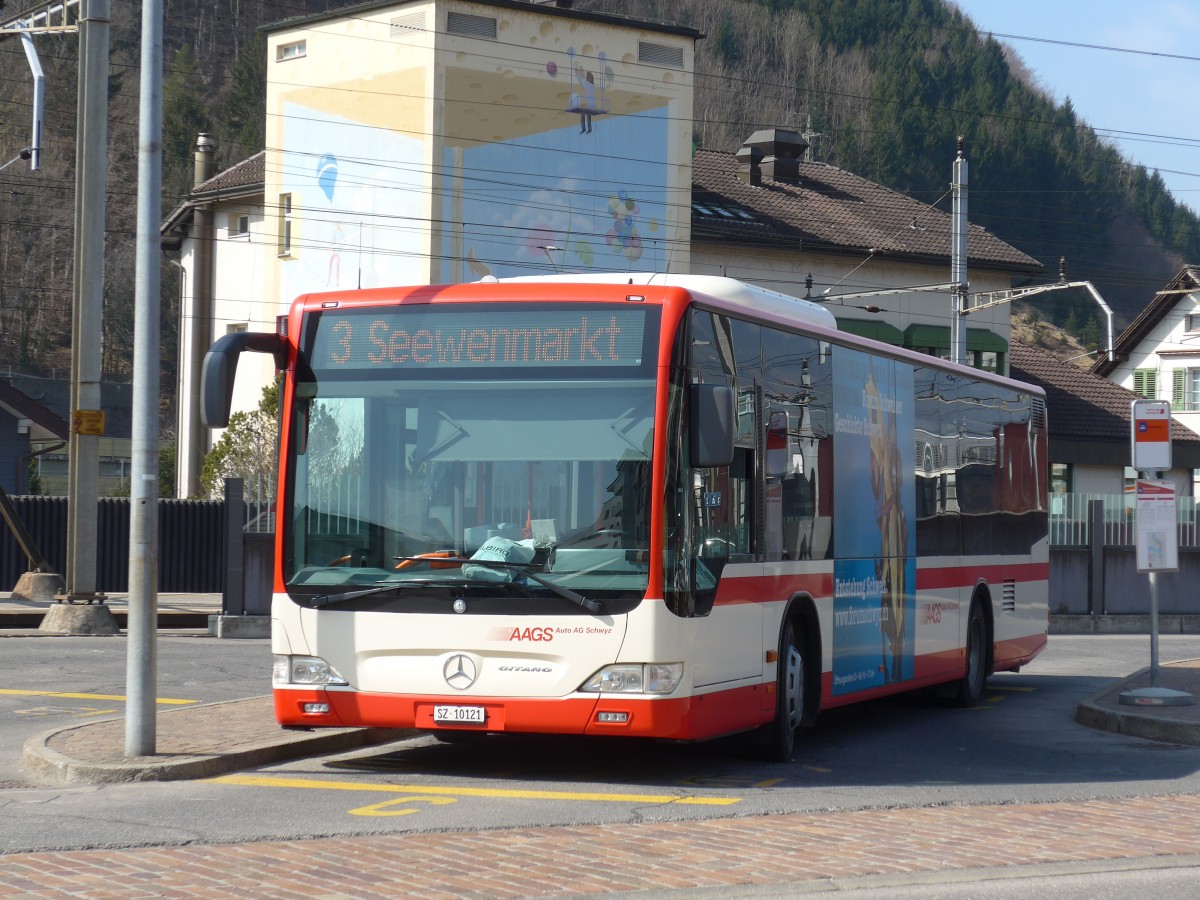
[{"x": 459, "y": 714}]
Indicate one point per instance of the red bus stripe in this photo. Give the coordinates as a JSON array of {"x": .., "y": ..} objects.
[{"x": 943, "y": 577}]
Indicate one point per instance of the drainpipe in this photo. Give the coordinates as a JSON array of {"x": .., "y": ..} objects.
[{"x": 201, "y": 316}]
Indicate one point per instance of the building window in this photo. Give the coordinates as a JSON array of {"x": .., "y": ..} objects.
[
  {"x": 471, "y": 26},
  {"x": 1192, "y": 322},
  {"x": 52, "y": 465},
  {"x": 294, "y": 50},
  {"x": 239, "y": 225},
  {"x": 1061, "y": 478},
  {"x": 1185, "y": 390},
  {"x": 1145, "y": 383},
  {"x": 987, "y": 360},
  {"x": 236, "y": 328},
  {"x": 660, "y": 54},
  {"x": 285, "y": 224}
]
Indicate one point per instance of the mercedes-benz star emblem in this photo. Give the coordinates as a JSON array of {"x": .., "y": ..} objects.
[{"x": 460, "y": 672}]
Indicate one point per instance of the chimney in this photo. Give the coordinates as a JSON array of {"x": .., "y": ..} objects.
[
  {"x": 204, "y": 160},
  {"x": 774, "y": 152},
  {"x": 750, "y": 165}
]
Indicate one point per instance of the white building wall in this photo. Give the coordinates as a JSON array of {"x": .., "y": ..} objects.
[
  {"x": 1171, "y": 348},
  {"x": 239, "y": 274},
  {"x": 1088, "y": 479}
]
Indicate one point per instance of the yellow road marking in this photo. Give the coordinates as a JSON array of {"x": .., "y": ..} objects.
[
  {"x": 164, "y": 700},
  {"x": 500, "y": 793},
  {"x": 388, "y": 807},
  {"x": 81, "y": 711}
]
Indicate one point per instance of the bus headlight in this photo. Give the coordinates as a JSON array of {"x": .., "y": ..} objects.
[
  {"x": 304, "y": 670},
  {"x": 643, "y": 678}
]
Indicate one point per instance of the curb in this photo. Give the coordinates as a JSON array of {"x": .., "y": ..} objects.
[
  {"x": 1163, "y": 728},
  {"x": 1132, "y": 623},
  {"x": 47, "y": 766}
]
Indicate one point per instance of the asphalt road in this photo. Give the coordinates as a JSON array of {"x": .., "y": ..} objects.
[
  {"x": 1021, "y": 744},
  {"x": 53, "y": 682}
]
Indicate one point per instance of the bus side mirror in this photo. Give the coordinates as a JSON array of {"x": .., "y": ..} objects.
[
  {"x": 220, "y": 365},
  {"x": 710, "y": 425}
]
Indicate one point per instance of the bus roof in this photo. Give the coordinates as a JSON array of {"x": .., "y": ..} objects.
[{"x": 749, "y": 297}]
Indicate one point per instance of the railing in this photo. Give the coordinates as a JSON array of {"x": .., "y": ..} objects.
[
  {"x": 1070, "y": 524},
  {"x": 259, "y": 497},
  {"x": 190, "y": 545}
]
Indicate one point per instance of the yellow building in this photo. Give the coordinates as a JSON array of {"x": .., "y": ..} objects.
[{"x": 443, "y": 141}]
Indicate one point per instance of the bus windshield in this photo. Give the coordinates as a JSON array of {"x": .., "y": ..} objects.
[{"x": 400, "y": 474}]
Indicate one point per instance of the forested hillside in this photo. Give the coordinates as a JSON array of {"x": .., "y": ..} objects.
[
  {"x": 882, "y": 86},
  {"x": 887, "y": 85}
]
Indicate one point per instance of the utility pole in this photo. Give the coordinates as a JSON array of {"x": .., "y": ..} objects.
[
  {"x": 958, "y": 256},
  {"x": 90, "y": 20},
  {"x": 142, "y": 655},
  {"x": 87, "y": 420}
]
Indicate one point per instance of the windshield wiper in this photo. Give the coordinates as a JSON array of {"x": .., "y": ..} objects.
[
  {"x": 592, "y": 606},
  {"x": 322, "y": 600}
]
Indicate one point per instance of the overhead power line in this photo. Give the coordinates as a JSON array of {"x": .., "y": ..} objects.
[{"x": 1040, "y": 40}]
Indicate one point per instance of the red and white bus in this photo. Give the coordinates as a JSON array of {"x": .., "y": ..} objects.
[{"x": 672, "y": 507}]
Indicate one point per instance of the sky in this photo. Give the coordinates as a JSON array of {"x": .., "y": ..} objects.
[{"x": 1147, "y": 104}]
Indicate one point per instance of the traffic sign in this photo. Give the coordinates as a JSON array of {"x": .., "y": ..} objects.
[{"x": 1150, "y": 435}]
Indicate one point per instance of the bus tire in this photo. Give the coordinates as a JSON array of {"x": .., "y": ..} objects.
[
  {"x": 790, "y": 691},
  {"x": 969, "y": 690}
]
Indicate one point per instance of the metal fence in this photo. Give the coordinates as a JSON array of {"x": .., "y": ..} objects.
[
  {"x": 191, "y": 543},
  {"x": 1071, "y": 525}
]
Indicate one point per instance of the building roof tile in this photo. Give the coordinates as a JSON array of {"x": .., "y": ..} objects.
[
  {"x": 1160, "y": 305},
  {"x": 1080, "y": 405},
  {"x": 830, "y": 208}
]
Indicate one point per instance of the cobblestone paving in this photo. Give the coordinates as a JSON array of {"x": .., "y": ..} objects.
[{"x": 530, "y": 862}]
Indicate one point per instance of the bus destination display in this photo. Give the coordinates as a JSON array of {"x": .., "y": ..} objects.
[{"x": 425, "y": 338}]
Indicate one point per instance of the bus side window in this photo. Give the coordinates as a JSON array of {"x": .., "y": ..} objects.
[{"x": 797, "y": 374}]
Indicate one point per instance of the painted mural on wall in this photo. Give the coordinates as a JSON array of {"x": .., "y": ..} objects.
[
  {"x": 357, "y": 199},
  {"x": 874, "y": 531},
  {"x": 559, "y": 170},
  {"x": 556, "y": 163}
]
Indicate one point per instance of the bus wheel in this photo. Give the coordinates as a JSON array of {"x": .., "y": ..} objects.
[
  {"x": 789, "y": 696},
  {"x": 970, "y": 688}
]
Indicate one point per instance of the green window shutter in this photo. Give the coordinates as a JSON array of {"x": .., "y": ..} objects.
[
  {"x": 1145, "y": 382},
  {"x": 1178, "y": 388}
]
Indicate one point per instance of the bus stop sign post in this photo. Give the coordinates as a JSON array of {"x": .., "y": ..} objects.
[{"x": 1157, "y": 538}]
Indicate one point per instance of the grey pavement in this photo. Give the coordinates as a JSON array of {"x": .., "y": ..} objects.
[
  {"x": 212, "y": 738},
  {"x": 208, "y": 739},
  {"x": 757, "y": 856},
  {"x": 869, "y": 852}
]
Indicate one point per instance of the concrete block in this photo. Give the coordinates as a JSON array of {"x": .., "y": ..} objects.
[
  {"x": 38, "y": 586},
  {"x": 69, "y": 618},
  {"x": 223, "y": 626}
]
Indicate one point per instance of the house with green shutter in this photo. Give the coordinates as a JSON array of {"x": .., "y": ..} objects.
[{"x": 1158, "y": 355}]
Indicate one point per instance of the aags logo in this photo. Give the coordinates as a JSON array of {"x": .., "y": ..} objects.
[{"x": 523, "y": 634}]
